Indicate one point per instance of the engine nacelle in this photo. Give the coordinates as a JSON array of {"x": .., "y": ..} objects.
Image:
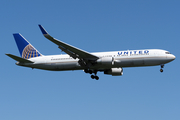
[
  {"x": 114, "y": 72},
  {"x": 105, "y": 61}
]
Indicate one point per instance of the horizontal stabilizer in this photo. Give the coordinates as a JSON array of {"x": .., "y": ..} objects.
[{"x": 19, "y": 59}]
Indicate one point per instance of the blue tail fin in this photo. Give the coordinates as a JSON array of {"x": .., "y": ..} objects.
[{"x": 26, "y": 50}]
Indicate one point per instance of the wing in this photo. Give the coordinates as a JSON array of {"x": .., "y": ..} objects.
[{"x": 71, "y": 50}]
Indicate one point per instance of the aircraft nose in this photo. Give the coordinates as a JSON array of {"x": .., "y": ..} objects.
[{"x": 171, "y": 57}]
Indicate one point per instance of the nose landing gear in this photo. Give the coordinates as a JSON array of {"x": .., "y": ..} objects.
[{"x": 162, "y": 66}]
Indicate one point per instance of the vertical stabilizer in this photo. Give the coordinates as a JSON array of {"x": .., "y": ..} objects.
[{"x": 26, "y": 50}]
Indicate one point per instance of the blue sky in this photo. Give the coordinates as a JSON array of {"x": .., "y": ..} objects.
[{"x": 95, "y": 25}]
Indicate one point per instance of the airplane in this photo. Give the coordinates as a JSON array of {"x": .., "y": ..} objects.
[{"x": 111, "y": 63}]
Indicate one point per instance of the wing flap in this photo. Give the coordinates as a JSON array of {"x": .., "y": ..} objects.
[
  {"x": 69, "y": 49},
  {"x": 19, "y": 59}
]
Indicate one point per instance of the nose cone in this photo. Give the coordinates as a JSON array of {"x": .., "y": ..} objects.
[
  {"x": 171, "y": 57},
  {"x": 174, "y": 57}
]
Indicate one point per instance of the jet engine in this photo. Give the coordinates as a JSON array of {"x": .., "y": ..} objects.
[
  {"x": 105, "y": 61},
  {"x": 114, "y": 72}
]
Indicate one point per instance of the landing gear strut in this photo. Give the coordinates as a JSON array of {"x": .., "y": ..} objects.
[
  {"x": 162, "y": 66},
  {"x": 90, "y": 72}
]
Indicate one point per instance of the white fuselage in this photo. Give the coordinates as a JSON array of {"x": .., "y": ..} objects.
[{"x": 115, "y": 59}]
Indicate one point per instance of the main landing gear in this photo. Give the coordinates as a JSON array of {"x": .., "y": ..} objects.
[
  {"x": 162, "y": 66},
  {"x": 92, "y": 76}
]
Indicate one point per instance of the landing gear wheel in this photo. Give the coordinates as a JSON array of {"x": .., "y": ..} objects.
[
  {"x": 92, "y": 76},
  {"x": 90, "y": 71},
  {"x": 96, "y": 77},
  {"x": 162, "y": 66},
  {"x": 86, "y": 71}
]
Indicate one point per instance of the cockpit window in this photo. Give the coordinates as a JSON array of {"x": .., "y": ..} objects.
[{"x": 167, "y": 52}]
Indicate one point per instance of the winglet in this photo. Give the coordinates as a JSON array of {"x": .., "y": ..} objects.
[{"x": 44, "y": 32}]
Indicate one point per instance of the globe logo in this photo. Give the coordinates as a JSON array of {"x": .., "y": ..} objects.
[{"x": 30, "y": 52}]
